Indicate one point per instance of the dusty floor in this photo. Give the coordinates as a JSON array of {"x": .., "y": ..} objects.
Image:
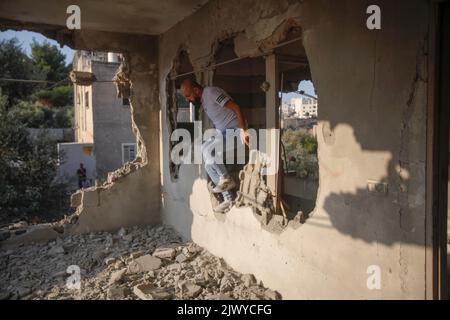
[{"x": 138, "y": 263}]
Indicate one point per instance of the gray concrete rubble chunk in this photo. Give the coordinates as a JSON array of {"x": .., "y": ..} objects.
[
  {"x": 117, "y": 276},
  {"x": 4, "y": 234},
  {"x": 144, "y": 264},
  {"x": 116, "y": 293},
  {"x": 181, "y": 258},
  {"x": 248, "y": 279},
  {"x": 148, "y": 291},
  {"x": 192, "y": 290},
  {"x": 272, "y": 295},
  {"x": 165, "y": 253}
]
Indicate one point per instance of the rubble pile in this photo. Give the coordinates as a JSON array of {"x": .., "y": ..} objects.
[{"x": 136, "y": 263}]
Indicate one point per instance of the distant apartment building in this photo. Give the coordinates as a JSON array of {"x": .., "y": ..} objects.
[
  {"x": 304, "y": 108},
  {"x": 104, "y": 139}
]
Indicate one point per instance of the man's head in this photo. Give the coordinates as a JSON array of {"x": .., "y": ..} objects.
[
  {"x": 81, "y": 165},
  {"x": 192, "y": 91}
]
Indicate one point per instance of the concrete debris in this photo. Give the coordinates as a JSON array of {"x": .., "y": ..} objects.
[
  {"x": 144, "y": 263},
  {"x": 116, "y": 293},
  {"x": 272, "y": 295},
  {"x": 148, "y": 291},
  {"x": 113, "y": 267},
  {"x": 249, "y": 280},
  {"x": 165, "y": 253},
  {"x": 4, "y": 234},
  {"x": 117, "y": 276}
]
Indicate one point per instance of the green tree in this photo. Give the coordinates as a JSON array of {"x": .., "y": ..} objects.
[
  {"x": 48, "y": 60},
  {"x": 60, "y": 96},
  {"x": 15, "y": 64},
  {"x": 34, "y": 115},
  {"x": 300, "y": 153},
  {"x": 27, "y": 169}
]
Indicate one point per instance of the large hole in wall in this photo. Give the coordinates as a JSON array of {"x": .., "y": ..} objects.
[
  {"x": 77, "y": 129},
  {"x": 102, "y": 119},
  {"x": 242, "y": 79},
  {"x": 298, "y": 122},
  {"x": 180, "y": 113}
]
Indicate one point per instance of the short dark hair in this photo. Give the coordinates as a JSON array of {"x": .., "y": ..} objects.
[{"x": 192, "y": 82}]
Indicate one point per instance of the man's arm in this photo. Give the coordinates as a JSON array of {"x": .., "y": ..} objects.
[{"x": 241, "y": 119}]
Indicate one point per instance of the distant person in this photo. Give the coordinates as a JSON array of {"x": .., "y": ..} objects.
[{"x": 82, "y": 177}]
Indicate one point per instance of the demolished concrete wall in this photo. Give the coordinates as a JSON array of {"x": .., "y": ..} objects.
[{"x": 372, "y": 117}]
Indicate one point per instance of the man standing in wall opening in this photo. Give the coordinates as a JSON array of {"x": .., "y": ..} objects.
[{"x": 225, "y": 114}]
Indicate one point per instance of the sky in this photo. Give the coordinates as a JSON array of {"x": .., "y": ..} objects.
[
  {"x": 26, "y": 38},
  {"x": 306, "y": 86}
]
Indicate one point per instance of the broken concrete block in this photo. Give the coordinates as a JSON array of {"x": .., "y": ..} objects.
[
  {"x": 119, "y": 264},
  {"x": 165, "y": 253},
  {"x": 23, "y": 291},
  {"x": 136, "y": 254},
  {"x": 272, "y": 295},
  {"x": 37, "y": 233},
  {"x": 109, "y": 261},
  {"x": 4, "y": 295},
  {"x": 116, "y": 293},
  {"x": 219, "y": 296},
  {"x": 75, "y": 199},
  {"x": 181, "y": 258},
  {"x": 173, "y": 266},
  {"x": 18, "y": 225},
  {"x": 144, "y": 264},
  {"x": 128, "y": 238},
  {"x": 4, "y": 234},
  {"x": 148, "y": 291},
  {"x": 249, "y": 280},
  {"x": 57, "y": 249},
  {"x": 117, "y": 276},
  {"x": 122, "y": 232},
  {"x": 191, "y": 290}
]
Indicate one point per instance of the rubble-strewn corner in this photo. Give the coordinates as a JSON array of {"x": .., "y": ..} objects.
[{"x": 138, "y": 263}]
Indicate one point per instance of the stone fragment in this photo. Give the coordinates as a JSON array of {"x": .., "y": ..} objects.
[
  {"x": 136, "y": 254},
  {"x": 173, "y": 267},
  {"x": 57, "y": 249},
  {"x": 117, "y": 276},
  {"x": 181, "y": 258},
  {"x": 4, "y": 234},
  {"x": 248, "y": 279},
  {"x": 109, "y": 261},
  {"x": 165, "y": 253},
  {"x": 192, "y": 290},
  {"x": 144, "y": 264},
  {"x": 119, "y": 264},
  {"x": 148, "y": 291},
  {"x": 122, "y": 232},
  {"x": 272, "y": 295},
  {"x": 128, "y": 238},
  {"x": 116, "y": 293}
]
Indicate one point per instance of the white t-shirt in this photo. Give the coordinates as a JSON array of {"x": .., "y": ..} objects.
[{"x": 213, "y": 102}]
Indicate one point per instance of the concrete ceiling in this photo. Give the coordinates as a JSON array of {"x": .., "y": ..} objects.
[{"x": 128, "y": 16}]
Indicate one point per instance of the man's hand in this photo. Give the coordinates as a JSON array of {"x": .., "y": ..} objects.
[{"x": 245, "y": 137}]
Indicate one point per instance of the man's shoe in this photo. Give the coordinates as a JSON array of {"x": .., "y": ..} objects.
[
  {"x": 224, "y": 206},
  {"x": 225, "y": 184}
]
